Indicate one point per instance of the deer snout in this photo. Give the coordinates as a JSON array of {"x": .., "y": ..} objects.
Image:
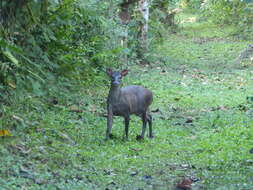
[{"x": 115, "y": 82}]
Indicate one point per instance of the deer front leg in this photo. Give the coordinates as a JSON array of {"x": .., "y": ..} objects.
[
  {"x": 109, "y": 124},
  {"x": 127, "y": 119}
]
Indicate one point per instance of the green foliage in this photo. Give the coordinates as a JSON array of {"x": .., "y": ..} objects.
[
  {"x": 223, "y": 12},
  {"x": 236, "y": 12},
  {"x": 202, "y": 114},
  {"x": 192, "y": 5},
  {"x": 45, "y": 39},
  {"x": 245, "y": 26},
  {"x": 162, "y": 20},
  {"x": 202, "y": 106}
]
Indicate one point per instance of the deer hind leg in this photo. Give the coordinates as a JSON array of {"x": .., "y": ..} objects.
[
  {"x": 149, "y": 118},
  {"x": 144, "y": 124}
]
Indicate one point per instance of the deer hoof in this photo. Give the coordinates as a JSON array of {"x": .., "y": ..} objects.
[
  {"x": 151, "y": 136},
  {"x": 139, "y": 137}
]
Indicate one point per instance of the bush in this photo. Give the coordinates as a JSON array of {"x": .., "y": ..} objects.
[
  {"x": 191, "y": 4},
  {"x": 42, "y": 40},
  {"x": 234, "y": 12}
]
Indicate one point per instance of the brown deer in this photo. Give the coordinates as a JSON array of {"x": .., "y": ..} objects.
[{"x": 126, "y": 101}]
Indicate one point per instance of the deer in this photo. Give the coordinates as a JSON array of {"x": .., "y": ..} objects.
[{"x": 126, "y": 101}]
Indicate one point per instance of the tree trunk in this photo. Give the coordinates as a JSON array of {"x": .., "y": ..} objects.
[
  {"x": 143, "y": 41},
  {"x": 44, "y": 10},
  {"x": 125, "y": 19},
  {"x": 124, "y": 42}
]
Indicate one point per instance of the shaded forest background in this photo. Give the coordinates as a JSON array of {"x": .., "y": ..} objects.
[{"x": 43, "y": 43}]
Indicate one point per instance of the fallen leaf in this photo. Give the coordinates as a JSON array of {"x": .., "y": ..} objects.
[
  {"x": 93, "y": 108},
  {"x": 136, "y": 149},
  {"x": 20, "y": 148},
  {"x": 23, "y": 188},
  {"x": 77, "y": 111},
  {"x": 192, "y": 137},
  {"x": 134, "y": 173},
  {"x": 12, "y": 84},
  {"x": 109, "y": 172},
  {"x": 185, "y": 166},
  {"x": 156, "y": 110},
  {"x": 66, "y": 137},
  {"x": 189, "y": 120},
  {"x": 17, "y": 118},
  {"x": 185, "y": 184},
  {"x": 4, "y": 133},
  {"x": 74, "y": 108},
  {"x": 222, "y": 108}
]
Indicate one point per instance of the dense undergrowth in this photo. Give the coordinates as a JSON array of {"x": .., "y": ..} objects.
[{"x": 202, "y": 122}]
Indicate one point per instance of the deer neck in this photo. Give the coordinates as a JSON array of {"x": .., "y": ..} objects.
[{"x": 114, "y": 94}]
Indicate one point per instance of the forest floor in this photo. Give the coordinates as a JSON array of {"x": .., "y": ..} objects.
[{"x": 202, "y": 110}]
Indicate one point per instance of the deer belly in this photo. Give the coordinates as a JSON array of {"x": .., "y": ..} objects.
[{"x": 120, "y": 110}]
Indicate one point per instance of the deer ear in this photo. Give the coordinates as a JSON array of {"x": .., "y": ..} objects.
[
  {"x": 109, "y": 71},
  {"x": 124, "y": 72}
]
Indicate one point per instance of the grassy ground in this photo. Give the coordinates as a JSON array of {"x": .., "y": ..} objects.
[{"x": 202, "y": 123}]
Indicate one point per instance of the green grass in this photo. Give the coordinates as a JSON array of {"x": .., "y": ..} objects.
[{"x": 203, "y": 127}]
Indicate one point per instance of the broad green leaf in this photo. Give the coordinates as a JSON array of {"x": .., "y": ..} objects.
[
  {"x": 12, "y": 84},
  {"x": 11, "y": 57},
  {"x": 5, "y": 44}
]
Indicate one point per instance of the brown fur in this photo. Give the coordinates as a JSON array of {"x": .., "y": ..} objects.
[{"x": 126, "y": 101}]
